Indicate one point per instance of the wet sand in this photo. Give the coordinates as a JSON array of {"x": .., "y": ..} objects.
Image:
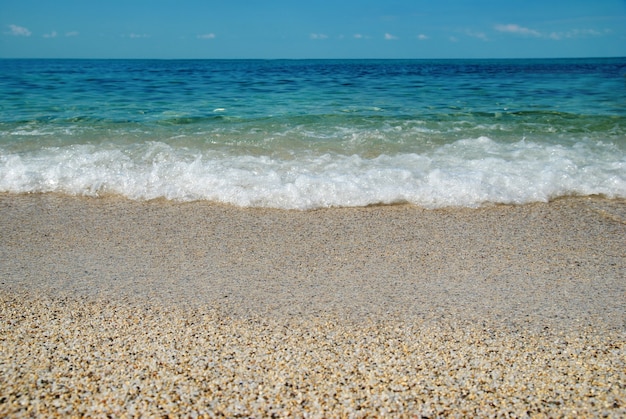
[{"x": 112, "y": 307}]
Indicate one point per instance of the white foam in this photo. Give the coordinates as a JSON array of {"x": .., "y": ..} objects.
[
  {"x": 466, "y": 173},
  {"x": 31, "y": 133}
]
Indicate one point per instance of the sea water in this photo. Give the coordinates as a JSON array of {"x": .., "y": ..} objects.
[{"x": 305, "y": 134}]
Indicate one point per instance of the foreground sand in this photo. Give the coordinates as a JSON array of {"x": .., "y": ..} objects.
[{"x": 109, "y": 307}]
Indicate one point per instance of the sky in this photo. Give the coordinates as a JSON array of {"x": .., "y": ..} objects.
[{"x": 169, "y": 29}]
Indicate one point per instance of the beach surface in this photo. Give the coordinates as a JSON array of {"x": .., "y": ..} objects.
[{"x": 125, "y": 308}]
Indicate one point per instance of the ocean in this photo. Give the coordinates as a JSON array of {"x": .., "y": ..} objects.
[{"x": 307, "y": 134}]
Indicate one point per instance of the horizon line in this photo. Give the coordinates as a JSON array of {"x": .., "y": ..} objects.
[{"x": 318, "y": 58}]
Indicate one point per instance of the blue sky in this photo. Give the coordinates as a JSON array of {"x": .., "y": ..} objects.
[{"x": 312, "y": 29}]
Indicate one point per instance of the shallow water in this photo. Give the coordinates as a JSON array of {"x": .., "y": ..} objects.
[{"x": 315, "y": 133}]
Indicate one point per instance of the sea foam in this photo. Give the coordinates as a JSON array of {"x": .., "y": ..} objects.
[{"x": 466, "y": 173}]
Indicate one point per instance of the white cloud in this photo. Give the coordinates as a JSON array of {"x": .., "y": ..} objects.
[
  {"x": 575, "y": 33},
  {"x": 517, "y": 29},
  {"x": 16, "y": 30},
  {"x": 557, "y": 36},
  {"x": 478, "y": 35},
  {"x": 358, "y": 36},
  {"x": 422, "y": 37},
  {"x": 318, "y": 36},
  {"x": 206, "y": 36},
  {"x": 453, "y": 39},
  {"x": 52, "y": 34},
  {"x": 71, "y": 33},
  {"x": 390, "y": 37},
  {"x": 138, "y": 35}
]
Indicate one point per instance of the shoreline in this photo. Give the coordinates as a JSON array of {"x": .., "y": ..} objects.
[
  {"x": 396, "y": 309},
  {"x": 355, "y": 261}
]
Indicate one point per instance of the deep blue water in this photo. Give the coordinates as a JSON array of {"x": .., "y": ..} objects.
[{"x": 315, "y": 133}]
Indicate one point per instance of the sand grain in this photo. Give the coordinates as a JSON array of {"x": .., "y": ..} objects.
[{"x": 111, "y": 307}]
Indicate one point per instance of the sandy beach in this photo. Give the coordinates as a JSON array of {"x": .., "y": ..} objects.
[{"x": 110, "y": 307}]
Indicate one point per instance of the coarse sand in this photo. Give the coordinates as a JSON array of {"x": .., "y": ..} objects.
[{"x": 118, "y": 308}]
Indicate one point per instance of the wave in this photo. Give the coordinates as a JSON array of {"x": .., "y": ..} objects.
[{"x": 465, "y": 173}]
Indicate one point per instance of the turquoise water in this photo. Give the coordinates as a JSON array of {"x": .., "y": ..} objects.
[{"x": 315, "y": 133}]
